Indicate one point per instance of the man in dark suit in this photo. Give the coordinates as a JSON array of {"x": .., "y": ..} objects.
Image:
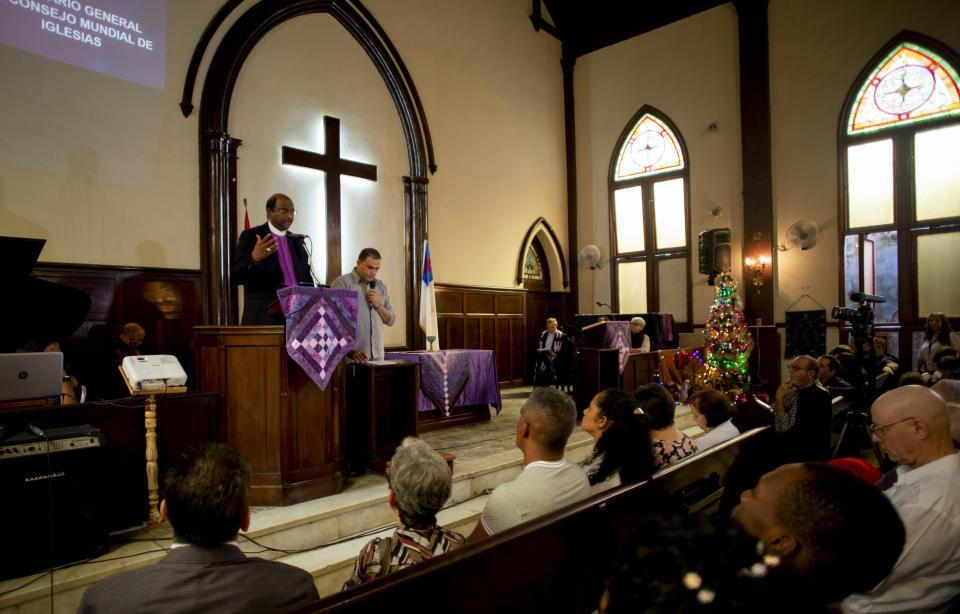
[
  {"x": 269, "y": 258},
  {"x": 205, "y": 571},
  {"x": 802, "y": 414}
]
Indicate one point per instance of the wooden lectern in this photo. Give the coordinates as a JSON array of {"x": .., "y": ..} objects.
[
  {"x": 597, "y": 366},
  {"x": 290, "y": 431}
]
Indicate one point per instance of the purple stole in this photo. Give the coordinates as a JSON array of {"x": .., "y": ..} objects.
[{"x": 286, "y": 261}]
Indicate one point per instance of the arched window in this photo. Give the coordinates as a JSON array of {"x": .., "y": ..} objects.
[
  {"x": 536, "y": 275},
  {"x": 649, "y": 191},
  {"x": 900, "y": 186}
]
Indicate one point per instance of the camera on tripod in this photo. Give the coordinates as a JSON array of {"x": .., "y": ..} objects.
[
  {"x": 863, "y": 373},
  {"x": 860, "y": 318}
]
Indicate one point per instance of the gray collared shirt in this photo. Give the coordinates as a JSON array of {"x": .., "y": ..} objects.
[{"x": 367, "y": 318}]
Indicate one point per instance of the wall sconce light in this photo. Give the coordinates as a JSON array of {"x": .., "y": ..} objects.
[{"x": 757, "y": 267}]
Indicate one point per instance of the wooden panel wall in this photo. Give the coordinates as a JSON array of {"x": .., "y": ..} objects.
[
  {"x": 486, "y": 319},
  {"x": 166, "y": 302}
]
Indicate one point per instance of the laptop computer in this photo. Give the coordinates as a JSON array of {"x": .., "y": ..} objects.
[{"x": 30, "y": 375}]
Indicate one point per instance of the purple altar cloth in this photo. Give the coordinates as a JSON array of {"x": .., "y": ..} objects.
[
  {"x": 617, "y": 336},
  {"x": 476, "y": 385},
  {"x": 321, "y": 328}
]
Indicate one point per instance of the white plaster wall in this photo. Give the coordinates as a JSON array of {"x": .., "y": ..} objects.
[
  {"x": 689, "y": 71},
  {"x": 492, "y": 90},
  {"x": 104, "y": 169},
  {"x": 107, "y": 171}
]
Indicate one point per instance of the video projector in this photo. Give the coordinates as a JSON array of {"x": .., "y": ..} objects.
[{"x": 154, "y": 372}]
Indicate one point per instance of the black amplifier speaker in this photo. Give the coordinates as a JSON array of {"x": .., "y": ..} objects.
[
  {"x": 58, "y": 478},
  {"x": 714, "y": 251}
]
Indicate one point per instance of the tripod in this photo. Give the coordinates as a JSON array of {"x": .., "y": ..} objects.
[{"x": 856, "y": 426}]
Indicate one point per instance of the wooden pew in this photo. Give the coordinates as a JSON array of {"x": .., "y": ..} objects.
[{"x": 555, "y": 563}]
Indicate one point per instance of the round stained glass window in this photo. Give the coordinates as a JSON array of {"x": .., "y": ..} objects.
[
  {"x": 647, "y": 148},
  {"x": 904, "y": 89}
]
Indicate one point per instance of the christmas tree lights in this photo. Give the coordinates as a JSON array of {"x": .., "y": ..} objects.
[{"x": 727, "y": 341}]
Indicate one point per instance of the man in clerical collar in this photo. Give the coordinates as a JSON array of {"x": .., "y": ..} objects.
[
  {"x": 205, "y": 570},
  {"x": 269, "y": 258},
  {"x": 375, "y": 311}
]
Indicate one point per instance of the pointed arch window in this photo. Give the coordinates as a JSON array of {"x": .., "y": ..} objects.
[
  {"x": 649, "y": 212},
  {"x": 899, "y": 141}
]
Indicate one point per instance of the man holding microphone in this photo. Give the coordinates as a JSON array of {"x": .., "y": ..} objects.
[{"x": 363, "y": 279}]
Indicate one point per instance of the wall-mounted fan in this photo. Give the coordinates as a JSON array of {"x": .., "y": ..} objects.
[
  {"x": 589, "y": 257},
  {"x": 802, "y": 234}
]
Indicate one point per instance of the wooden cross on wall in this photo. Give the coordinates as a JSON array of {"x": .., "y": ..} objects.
[{"x": 334, "y": 166}]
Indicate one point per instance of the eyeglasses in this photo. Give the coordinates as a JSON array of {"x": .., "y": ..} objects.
[
  {"x": 881, "y": 431},
  {"x": 799, "y": 368},
  {"x": 285, "y": 211}
]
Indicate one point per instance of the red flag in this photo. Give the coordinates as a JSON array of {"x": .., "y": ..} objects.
[{"x": 246, "y": 216}]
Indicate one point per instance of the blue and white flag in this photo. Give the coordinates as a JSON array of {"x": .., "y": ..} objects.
[{"x": 428, "y": 302}]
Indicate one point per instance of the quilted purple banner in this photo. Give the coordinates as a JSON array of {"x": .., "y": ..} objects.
[
  {"x": 617, "y": 336},
  {"x": 321, "y": 328}
]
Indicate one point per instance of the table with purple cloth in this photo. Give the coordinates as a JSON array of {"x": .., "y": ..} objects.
[{"x": 454, "y": 378}]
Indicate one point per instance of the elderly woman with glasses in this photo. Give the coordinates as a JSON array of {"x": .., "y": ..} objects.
[{"x": 420, "y": 483}]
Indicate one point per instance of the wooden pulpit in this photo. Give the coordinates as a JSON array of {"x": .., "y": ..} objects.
[
  {"x": 290, "y": 431},
  {"x": 597, "y": 366}
]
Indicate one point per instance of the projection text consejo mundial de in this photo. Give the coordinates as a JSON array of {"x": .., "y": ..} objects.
[{"x": 84, "y": 22}]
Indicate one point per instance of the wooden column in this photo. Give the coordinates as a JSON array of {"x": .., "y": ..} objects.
[
  {"x": 415, "y": 220},
  {"x": 570, "y": 138},
  {"x": 755, "y": 140},
  {"x": 218, "y": 225}
]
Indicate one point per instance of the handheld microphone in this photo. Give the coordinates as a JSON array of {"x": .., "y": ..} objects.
[{"x": 373, "y": 286}]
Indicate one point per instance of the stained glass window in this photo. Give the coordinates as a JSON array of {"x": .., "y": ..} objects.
[
  {"x": 911, "y": 84},
  {"x": 532, "y": 267},
  {"x": 899, "y": 173},
  {"x": 650, "y": 148},
  {"x": 648, "y": 205}
]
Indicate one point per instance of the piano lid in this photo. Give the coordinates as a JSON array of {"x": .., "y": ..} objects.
[{"x": 34, "y": 308}]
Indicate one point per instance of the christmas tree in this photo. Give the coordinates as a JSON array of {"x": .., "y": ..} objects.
[{"x": 726, "y": 338}]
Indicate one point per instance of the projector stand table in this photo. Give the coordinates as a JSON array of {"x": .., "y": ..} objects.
[{"x": 150, "y": 422}]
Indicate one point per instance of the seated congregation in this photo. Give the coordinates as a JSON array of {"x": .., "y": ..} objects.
[{"x": 631, "y": 529}]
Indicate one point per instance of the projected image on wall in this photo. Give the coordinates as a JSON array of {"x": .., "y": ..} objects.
[{"x": 121, "y": 38}]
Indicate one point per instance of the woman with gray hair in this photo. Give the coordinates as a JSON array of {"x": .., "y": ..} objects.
[
  {"x": 639, "y": 340},
  {"x": 420, "y": 483}
]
